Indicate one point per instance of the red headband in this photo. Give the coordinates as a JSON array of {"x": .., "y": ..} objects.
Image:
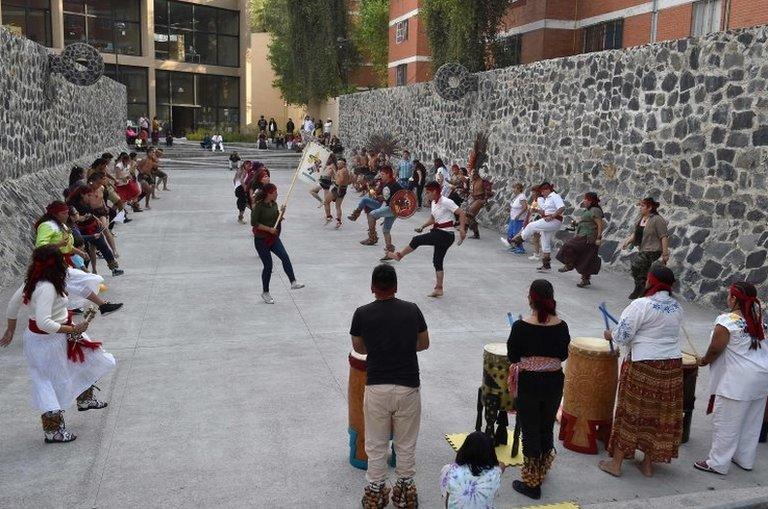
[
  {"x": 55, "y": 208},
  {"x": 753, "y": 314},
  {"x": 657, "y": 286}
]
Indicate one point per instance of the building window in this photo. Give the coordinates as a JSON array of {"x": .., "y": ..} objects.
[
  {"x": 604, "y": 36},
  {"x": 135, "y": 81},
  {"x": 111, "y": 26},
  {"x": 401, "y": 31},
  {"x": 200, "y": 101},
  {"x": 29, "y": 18},
  {"x": 401, "y": 74},
  {"x": 196, "y": 33},
  {"x": 706, "y": 17},
  {"x": 506, "y": 51}
]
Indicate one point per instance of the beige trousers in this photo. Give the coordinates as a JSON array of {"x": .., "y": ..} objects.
[{"x": 391, "y": 411}]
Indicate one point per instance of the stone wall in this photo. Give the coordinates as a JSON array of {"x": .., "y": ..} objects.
[
  {"x": 42, "y": 138},
  {"x": 685, "y": 121}
]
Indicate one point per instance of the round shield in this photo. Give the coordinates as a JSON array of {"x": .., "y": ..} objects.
[{"x": 404, "y": 203}]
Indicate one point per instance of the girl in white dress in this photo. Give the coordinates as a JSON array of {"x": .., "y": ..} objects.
[{"x": 61, "y": 370}]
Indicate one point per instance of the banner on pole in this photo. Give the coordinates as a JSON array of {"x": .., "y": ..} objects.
[{"x": 312, "y": 162}]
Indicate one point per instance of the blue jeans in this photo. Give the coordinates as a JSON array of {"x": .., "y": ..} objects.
[
  {"x": 378, "y": 210},
  {"x": 405, "y": 183},
  {"x": 515, "y": 227},
  {"x": 265, "y": 253},
  {"x": 368, "y": 203}
]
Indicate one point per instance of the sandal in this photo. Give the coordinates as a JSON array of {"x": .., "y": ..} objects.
[{"x": 704, "y": 467}]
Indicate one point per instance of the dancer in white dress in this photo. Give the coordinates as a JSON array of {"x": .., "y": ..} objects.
[{"x": 62, "y": 371}]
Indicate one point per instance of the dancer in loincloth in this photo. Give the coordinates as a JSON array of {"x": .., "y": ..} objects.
[
  {"x": 378, "y": 207},
  {"x": 324, "y": 182},
  {"x": 444, "y": 212},
  {"x": 477, "y": 199},
  {"x": 581, "y": 252},
  {"x": 341, "y": 180},
  {"x": 62, "y": 371},
  {"x": 649, "y": 405},
  {"x": 242, "y": 175},
  {"x": 551, "y": 221}
]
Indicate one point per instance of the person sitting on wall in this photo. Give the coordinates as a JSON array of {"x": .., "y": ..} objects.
[
  {"x": 280, "y": 140},
  {"x": 206, "y": 144},
  {"x": 217, "y": 143},
  {"x": 169, "y": 139},
  {"x": 263, "y": 142}
]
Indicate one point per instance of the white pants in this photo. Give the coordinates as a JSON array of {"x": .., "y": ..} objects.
[
  {"x": 219, "y": 145},
  {"x": 546, "y": 228},
  {"x": 735, "y": 432}
]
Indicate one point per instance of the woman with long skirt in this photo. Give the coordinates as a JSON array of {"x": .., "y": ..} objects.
[{"x": 581, "y": 251}]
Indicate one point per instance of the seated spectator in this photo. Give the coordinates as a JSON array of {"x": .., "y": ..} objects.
[
  {"x": 207, "y": 143},
  {"x": 473, "y": 480},
  {"x": 130, "y": 135},
  {"x": 280, "y": 141},
  {"x": 217, "y": 143},
  {"x": 234, "y": 161},
  {"x": 335, "y": 146},
  {"x": 169, "y": 139},
  {"x": 263, "y": 142}
]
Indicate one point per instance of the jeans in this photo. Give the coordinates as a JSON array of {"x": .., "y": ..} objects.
[
  {"x": 405, "y": 183},
  {"x": 367, "y": 204},
  {"x": 265, "y": 253},
  {"x": 102, "y": 246},
  {"x": 389, "y": 217}
]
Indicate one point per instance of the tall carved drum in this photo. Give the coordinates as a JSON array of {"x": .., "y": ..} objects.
[
  {"x": 355, "y": 393},
  {"x": 591, "y": 377},
  {"x": 690, "y": 374},
  {"x": 493, "y": 396}
]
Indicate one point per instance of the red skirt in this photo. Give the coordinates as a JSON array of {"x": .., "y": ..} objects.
[{"x": 129, "y": 191}]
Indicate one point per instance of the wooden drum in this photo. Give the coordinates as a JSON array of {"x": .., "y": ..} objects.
[
  {"x": 495, "y": 373},
  {"x": 690, "y": 374},
  {"x": 591, "y": 377},
  {"x": 355, "y": 393}
]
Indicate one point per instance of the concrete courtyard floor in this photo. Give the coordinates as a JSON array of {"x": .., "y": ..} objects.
[{"x": 221, "y": 400}]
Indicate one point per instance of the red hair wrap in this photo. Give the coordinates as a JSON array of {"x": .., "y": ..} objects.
[
  {"x": 656, "y": 286},
  {"x": 753, "y": 314},
  {"x": 544, "y": 307}
]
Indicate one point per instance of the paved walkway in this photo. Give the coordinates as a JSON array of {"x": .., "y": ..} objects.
[{"x": 221, "y": 400}]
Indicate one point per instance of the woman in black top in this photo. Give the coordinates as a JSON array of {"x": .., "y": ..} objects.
[
  {"x": 419, "y": 180},
  {"x": 536, "y": 346}
]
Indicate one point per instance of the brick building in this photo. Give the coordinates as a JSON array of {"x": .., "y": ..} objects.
[{"x": 540, "y": 29}]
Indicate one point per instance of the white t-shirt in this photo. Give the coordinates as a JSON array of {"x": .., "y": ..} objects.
[
  {"x": 308, "y": 126},
  {"x": 443, "y": 212},
  {"x": 552, "y": 203},
  {"x": 327, "y": 127},
  {"x": 516, "y": 207},
  {"x": 739, "y": 373}
]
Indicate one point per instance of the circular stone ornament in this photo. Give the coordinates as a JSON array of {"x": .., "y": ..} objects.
[
  {"x": 453, "y": 81},
  {"x": 79, "y": 63}
]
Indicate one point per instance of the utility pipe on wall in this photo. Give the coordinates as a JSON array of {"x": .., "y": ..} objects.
[{"x": 654, "y": 21}]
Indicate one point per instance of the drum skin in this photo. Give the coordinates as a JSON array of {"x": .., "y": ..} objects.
[
  {"x": 591, "y": 378},
  {"x": 495, "y": 373},
  {"x": 355, "y": 393}
]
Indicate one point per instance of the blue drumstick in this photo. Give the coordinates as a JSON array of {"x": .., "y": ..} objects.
[
  {"x": 606, "y": 315},
  {"x": 509, "y": 318},
  {"x": 604, "y": 309}
]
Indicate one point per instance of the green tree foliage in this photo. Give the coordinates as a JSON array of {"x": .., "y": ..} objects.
[
  {"x": 372, "y": 35},
  {"x": 462, "y": 31},
  {"x": 310, "y": 51},
  {"x": 256, "y": 10}
]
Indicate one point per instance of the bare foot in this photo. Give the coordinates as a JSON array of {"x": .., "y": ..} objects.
[
  {"x": 645, "y": 468},
  {"x": 438, "y": 292},
  {"x": 607, "y": 467}
]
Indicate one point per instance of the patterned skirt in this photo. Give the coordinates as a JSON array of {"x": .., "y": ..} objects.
[{"x": 649, "y": 410}]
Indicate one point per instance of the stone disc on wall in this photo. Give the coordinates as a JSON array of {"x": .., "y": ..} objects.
[
  {"x": 79, "y": 63},
  {"x": 453, "y": 81}
]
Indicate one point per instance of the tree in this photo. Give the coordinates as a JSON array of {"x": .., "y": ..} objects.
[
  {"x": 372, "y": 35},
  {"x": 257, "y": 15},
  {"x": 462, "y": 31},
  {"x": 310, "y": 51}
]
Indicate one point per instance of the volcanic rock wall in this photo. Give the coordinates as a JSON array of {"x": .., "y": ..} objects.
[
  {"x": 42, "y": 135},
  {"x": 685, "y": 121}
]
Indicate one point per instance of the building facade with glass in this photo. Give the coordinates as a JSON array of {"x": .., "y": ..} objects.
[{"x": 182, "y": 61}]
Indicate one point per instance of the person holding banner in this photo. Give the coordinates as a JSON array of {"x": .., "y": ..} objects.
[
  {"x": 265, "y": 220},
  {"x": 378, "y": 207},
  {"x": 441, "y": 236}
]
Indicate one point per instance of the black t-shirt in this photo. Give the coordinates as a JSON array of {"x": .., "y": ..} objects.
[
  {"x": 390, "y": 329},
  {"x": 388, "y": 190},
  {"x": 529, "y": 340}
]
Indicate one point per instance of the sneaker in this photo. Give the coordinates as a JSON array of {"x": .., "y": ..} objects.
[
  {"x": 544, "y": 269},
  {"x": 505, "y": 241},
  {"x": 118, "y": 272},
  {"x": 534, "y": 256},
  {"x": 109, "y": 307},
  {"x": 127, "y": 220},
  {"x": 296, "y": 285},
  {"x": 267, "y": 298}
]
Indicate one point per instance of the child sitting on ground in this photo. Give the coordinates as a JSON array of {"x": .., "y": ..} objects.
[{"x": 473, "y": 480}]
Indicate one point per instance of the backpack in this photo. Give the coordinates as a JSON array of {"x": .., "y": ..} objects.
[{"x": 488, "y": 188}]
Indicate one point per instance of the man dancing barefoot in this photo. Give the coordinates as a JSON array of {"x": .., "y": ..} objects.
[
  {"x": 441, "y": 236},
  {"x": 341, "y": 180}
]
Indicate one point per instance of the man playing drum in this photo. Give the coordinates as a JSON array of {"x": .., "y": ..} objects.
[
  {"x": 441, "y": 236},
  {"x": 390, "y": 331}
]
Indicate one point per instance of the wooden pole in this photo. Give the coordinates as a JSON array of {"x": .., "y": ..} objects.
[{"x": 290, "y": 191}]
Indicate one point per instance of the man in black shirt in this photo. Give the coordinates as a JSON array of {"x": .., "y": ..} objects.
[{"x": 390, "y": 331}]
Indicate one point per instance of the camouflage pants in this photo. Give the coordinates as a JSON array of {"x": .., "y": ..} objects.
[{"x": 642, "y": 264}]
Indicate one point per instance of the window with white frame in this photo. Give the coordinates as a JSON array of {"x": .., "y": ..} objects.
[
  {"x": 401, "y": 76},
  {"x": 401, "y": 31},
  {"x": 706, "y": 17}
]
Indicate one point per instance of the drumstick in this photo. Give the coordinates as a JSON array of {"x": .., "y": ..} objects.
[
  {"x": 690, "y": 343},
  {"x": 602, "y": 309}
]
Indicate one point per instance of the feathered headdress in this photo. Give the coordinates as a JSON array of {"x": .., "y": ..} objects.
[{"x": 478, "y": 155}]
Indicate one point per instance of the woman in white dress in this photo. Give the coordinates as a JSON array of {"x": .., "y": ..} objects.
[
  {"x": 62, "y": 371},
  {"x": 738, "y": 382}
]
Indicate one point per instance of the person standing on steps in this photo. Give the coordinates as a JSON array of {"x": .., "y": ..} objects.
[
  {"x": 390, "y": 332},
  {"x": 552, "y": 208},
  {"x": 266, "y": 239},
  {"x": 651, "y": 237}
]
